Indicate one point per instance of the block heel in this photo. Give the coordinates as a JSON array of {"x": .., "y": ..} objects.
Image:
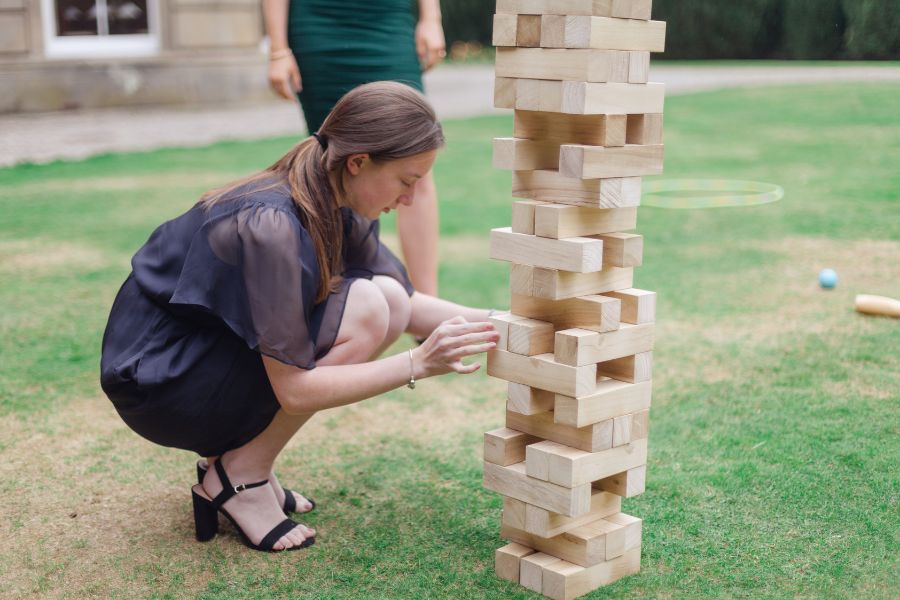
[
  {"x": 206, "y": 515},
  {"x": 206, "y": 518}
]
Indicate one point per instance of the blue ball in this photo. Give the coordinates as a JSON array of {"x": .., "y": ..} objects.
[{"x": 828, "y": 278}]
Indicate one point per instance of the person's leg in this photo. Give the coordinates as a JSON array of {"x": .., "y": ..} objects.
[
  {"x": 399, "y": 309},
  {"x": 417, "y": 227},
  {"x": 257, "y": 510}
]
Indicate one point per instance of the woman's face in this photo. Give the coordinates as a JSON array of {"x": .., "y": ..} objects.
[{"x": 379, "y": 187}]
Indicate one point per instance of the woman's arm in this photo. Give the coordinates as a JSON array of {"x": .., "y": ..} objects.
[
  {"x": 430, "y": 44},
  {"x": 284, "y": 75},
  {"x": 304, "y": 391},
  {"x": 428, "y": 312}
]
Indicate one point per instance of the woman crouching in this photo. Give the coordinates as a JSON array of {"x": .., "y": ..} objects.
[{"x": 270, "y": 300}]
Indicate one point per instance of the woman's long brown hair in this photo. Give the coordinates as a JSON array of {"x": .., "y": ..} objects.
[{"x": 386, "y": 120}]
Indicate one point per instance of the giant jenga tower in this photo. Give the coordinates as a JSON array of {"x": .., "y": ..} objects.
[{"x": 576, "y": 346}]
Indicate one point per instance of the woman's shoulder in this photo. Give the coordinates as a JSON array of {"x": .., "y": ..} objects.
[{"x": 255, "y": 196}]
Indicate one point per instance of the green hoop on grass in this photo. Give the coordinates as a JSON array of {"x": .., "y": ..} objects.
[{"x": 708, "y": 193}]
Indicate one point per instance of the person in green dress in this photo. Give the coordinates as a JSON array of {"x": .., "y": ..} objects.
[{"x": 321, "y": 49}]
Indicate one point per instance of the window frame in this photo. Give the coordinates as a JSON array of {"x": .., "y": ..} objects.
[{"x": 99, "y": 46}]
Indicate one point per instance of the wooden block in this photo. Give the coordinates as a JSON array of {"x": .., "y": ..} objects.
[
  {"x": 577, "y": 347},
  {"x": 629, "y": 428},
  {"x": 542, "y": 371},
  {"x": 632, "y": 369},
  {"x": 564, "y": 580},
  {"x": 586, "y": 545},
  {"x": 523, "y": 216},
  {"x": 645, "y": 130},
  {"x": 570, "y": 467},
  {"x": 622, "y": 249},
  {"x": 517, "y": 154},
  {"x": 557, "y": 285},
  {"x": 505, "y": 446},
  {"x": 602, "y": 8},
  {"x": 531, "y": 570},
  {"x": 621, "y": 430},
  {"x": 638, "y": 68},
  {"x": 582, "y": 255},
  {"x": 553, "y": 31},
  {"x": 506, "y": 561},
  {"x": 599, "y": 162},
  {"x": 560, "y": 221},
  {"x": 504, "y": 33},
  {"x": 620, "y": 66},
  {"x": 626, "y": 536},
  {"x": 593, "y": 438},
  {"x": 526, "y": 400},
  {"x": 538, "y": 94},
  {"x": 596, "y": 313},
  {"x": 550, "y": 186},
  {"x": 544, "y": 523},
  {"x": 638, "y": 306},
  {"x": 514, "y": 512},
  {"x": 580, "y": 97},
  {"x": 559, "y": 64},
  {"x": 530, "y": 337},
  {"x": 603, "y": 33},
  {"x": 513, "y": 482},
  {"x": 596, "y": 130},
  {"x": 631, "y": 9},
  {"x": 640, "y": 425},
  {"x": 611, "y": 399},
  {"x": 528, "y": 31},
  {"x": 627, "y": 484},
  {"x": 521, "y": 279},
  {"x": 505, "y": 92},
  {"x": 501, "y": 324}
]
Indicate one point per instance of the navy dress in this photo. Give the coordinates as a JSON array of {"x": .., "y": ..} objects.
[{"x": 209, "y": 293}]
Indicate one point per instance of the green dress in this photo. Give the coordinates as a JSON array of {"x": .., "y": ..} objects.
[{"x": 342, "y": 44}]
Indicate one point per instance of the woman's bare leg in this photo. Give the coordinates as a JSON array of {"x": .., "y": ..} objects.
[
  {"x": 417, "y": 227},
  {"x": 258, "y": 510}
]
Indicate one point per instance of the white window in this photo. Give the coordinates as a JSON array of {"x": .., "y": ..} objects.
[{"x": 100, "y": 28}]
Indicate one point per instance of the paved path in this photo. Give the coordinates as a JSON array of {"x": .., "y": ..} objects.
[{"x": 455, "y": 91}]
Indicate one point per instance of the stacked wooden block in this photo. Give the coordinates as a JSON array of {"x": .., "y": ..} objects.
[{"x": 577, "y": 345}]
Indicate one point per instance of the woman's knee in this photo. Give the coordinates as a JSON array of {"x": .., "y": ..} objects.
[
  {"x": 366, "y": 315},
  {"x": 399, "y": 307}
]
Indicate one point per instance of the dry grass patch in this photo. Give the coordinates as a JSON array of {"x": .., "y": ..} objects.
[
  {"x": 93, "y": 510},
  {"x": 42, "y": 256}
]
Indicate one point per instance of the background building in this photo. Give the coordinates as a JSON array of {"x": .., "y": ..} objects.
[{"x": 71, "y": 54}]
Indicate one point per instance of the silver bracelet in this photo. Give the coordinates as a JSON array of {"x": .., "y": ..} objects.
[{"x": 412, "y": 378}]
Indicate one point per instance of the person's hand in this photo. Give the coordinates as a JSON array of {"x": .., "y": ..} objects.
[
  {"x": 452, "y": 341},
  {"x": 284, "y": 75},
  {"x": 430, "y": 44}
]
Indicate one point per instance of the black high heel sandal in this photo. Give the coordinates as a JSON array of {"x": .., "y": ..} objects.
[
  {"x": 206, "y": 520},
  {"x": 290, "y": 503}
]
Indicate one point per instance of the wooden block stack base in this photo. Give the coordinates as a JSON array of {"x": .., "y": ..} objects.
[{"x": 577, "y": 345}]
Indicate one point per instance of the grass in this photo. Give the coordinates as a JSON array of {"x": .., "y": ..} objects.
[{"x": 773, "y": 447}]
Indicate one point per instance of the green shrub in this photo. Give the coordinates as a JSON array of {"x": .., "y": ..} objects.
[
  {"x": 710, "y": 29},
  {"x": 812, "y": 29},
  {"x": 872, "y": 29}
]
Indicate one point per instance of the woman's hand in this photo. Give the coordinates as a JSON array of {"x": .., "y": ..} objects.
[
  {"x": 452, "y": 341},
  {"x": 284, "y": 75},
  {"x": 430, "y": 44}
]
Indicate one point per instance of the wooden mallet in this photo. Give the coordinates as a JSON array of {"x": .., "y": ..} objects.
[{"x": 877, "y": 305}]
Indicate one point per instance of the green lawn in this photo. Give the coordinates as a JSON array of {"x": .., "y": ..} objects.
[{"x": 773, "y": 449}]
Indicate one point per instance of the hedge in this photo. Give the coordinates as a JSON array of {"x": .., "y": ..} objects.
[{"x": 788, "y": 29}]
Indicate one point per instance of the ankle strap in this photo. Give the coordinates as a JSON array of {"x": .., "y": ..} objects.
[{"x": 228, "y": 489}]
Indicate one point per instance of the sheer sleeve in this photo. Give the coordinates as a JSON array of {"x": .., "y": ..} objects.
[
  {"x": 365, "y": 255},
  {"x": 255, "y": 269}
]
